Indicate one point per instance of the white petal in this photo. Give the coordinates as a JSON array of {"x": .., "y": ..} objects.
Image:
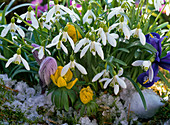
[
  {"x": 5, "y": 30},
  {"x": 71, "y": 41},
  {"x": 111, "y": 14},
  {"x": 97, "y": 76},
  {"x": 84, "y": 50},
  {"x": 103, "y": 36},
  {"x": 99, "y": 51},
  {"x": 142, "y": 37},
  {"x": 85, "y": 17},
  {"x": 48, "y": 51},
  {"x": 34, "y": 20},
  {"x": 81, "y": 68},
  {"x": 93, "y": 15},
  {"x": 41, "y": 52},
  {"x": 113, "y": 26},
  {"x": 64, "y": 48},
  {"x": 22, "y": 16},
  {"x": 54, "y": 41},
  {"x": 133, "y": 31},
  {"x": 20, "y": 31},
  {"x": 121, "y": 82},
  {"x": 138, "y": 63},
  {"x": 35, "y": 49},
  {"x": 111, "y": 40},
  {"x": 126, "y": 31},
  {"x": 120, "y": 72},
  {"x": 65, "y": 69},
  {"x": 103, "y": 79},
  {"x": 47, "y": 26},
  {"x": 11, "y": 60},
  {"x": 79, "y": 45},
  {"x": 151, "y": 74},
  {"x": 25, "y": 63},
  {"x": 50, "y": 14},
  {"x": 107, "y": 83},
  {"x": 116, "y": 89}
]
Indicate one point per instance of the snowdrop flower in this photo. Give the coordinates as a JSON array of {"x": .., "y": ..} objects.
[
  {"x": 58, "y": 11},
  {"x": 123, "y": 27},
  {"x": 145, "y": 65},
  {"x": 103, "y": 73},
  {"x": 81, "y": 43},
  {"x": 115, "y": 81},
  {"x": 94, "y": 47},
  {"x": 56, "y": 41},
  {"x": 43, "y": 24},
  {"x": 158, "y": 4},
  {"x": 115, "y": 11},
  {"x": 89, "y": 16},
  {"x": 167, "y": 9},
  {"x": 41, "y": 51},
  {"x": 106, "y": 36},
  {"x": 29, "y": 15},
  {"x": 72, "y": 64},
  {"x": 17, "y": 58},
  {"x": 138, "y": 33},
  {"x": 12, "y": 27}
]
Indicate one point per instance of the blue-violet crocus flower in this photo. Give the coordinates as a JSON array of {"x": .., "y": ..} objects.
[{"x": 164, "y": 62}]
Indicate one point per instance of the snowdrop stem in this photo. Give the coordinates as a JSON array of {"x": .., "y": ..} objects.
[
  {"x": 150, "y": 28},
  {"x": 74, "y": 73},
  {"x": 9, "y": 41},
  {"x": 61, "y": 59}
]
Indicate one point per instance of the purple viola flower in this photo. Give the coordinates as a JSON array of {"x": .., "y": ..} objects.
[
  {"x": 47, "y": 68},
  {"x": 155, "y": 40}
]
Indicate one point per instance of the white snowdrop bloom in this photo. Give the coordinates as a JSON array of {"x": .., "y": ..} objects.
[
  {"x": 115, "y": 11},
  {"x": 59, "y": 45},
  {"x": 138, "y": 33},
  {"x": 158, "y": 4},
  {"x": 66, "y": 37},
  {"x": 12, "y": 27},
  {"x": 73, "y": 64},
  {"x": 81, "y": 43},
  {"x": 60, "y": 10},
  {"x": 44, "y": 24},
  {"x": 116, "y": 81},
  {"x": 103, "y": 73},
  {"x": 123, "y": 27},
  {"x": 17, "y": 58},
  {"x": 102, "y": 35},
  {"x": 89, "y": 17},
  {"x": 94, "y": 47},
  {"x": 146, "y": 65},
  {"x": 30, "y": 16},
  {"x": 111, "y": 38},
  {"x": 167, "y": 9},
  {"x": 41, "y": 51},
  {"x": 150, "y": 1}
]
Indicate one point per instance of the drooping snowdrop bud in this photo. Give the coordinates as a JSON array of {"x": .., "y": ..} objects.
[{"x": 89, "y": 16}]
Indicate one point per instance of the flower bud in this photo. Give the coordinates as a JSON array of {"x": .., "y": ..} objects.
[
  {"x": 55, "y": 2},
  {"x": 47, "y": 68},
  {"x": 92, "y": 37},
  {"x": 29, "y": 9},
  {"x": 71, "y": 57},
  {"x": 19, "y": 51},
  {"x": 66, "y": 28},
  {"x": 105, "y": 28},
  {"x": 12, "y": 20},
  {"x": 86, "y": 95}
]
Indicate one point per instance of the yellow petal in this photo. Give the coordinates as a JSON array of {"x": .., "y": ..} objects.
[
  {"x": 53, "y": 79},
  {"x": 71, "y": 84},
  {"x": 61, "y": 82},
  {"x": 58, "y": 72},
  {"x": 68, "y": 76}
]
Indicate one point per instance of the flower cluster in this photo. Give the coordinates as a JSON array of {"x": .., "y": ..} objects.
[{"x": 76, "y": 49}]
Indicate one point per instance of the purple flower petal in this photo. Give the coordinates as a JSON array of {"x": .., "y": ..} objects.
[
  {"x": 165, "y": 62},
  {"x": 35, "y": 54},
  {"x": 47, "y": 68}
]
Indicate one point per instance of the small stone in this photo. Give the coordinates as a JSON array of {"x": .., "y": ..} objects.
[
  {"x": 21, "y": 87},
  {"x": 110, "y": 100},
  {"x": 30, "y": 92},
  {"x": 21, "y": 96},
  {"x": 153, "y": 103}
]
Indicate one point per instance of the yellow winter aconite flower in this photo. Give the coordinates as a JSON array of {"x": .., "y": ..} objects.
[
  {"x": 72, "y": 33},
  {"x": 63, "y": 81},
  {"x": 86, "y": 95}
]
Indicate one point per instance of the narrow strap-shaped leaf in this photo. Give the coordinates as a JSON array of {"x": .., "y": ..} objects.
[
  {"x": 119, "y": 61},
  {"x": 139, "y": 91},
  {"x": 164, "y": 79},
  {"x": 21, "y": 71},
  {"x": 3, "y": 16}
]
